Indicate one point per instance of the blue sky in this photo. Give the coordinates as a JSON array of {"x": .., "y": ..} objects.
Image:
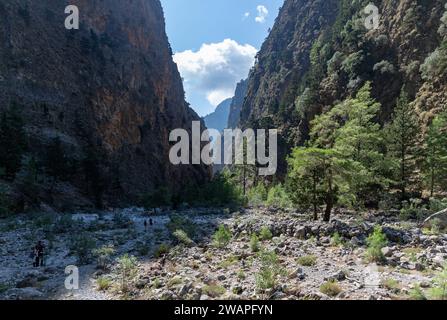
[{"x": 215, "y": 42}]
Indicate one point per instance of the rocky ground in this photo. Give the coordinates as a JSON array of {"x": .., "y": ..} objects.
[{"x": 311, "y": 260}]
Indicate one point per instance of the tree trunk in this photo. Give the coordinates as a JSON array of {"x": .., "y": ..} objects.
[{"x": 328, "y": 210}]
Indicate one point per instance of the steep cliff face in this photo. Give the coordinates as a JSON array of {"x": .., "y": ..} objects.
[
  {"x": 110, "y": 88},
  {"x": 236, "y": 104},
  {"x": 320, "y": 52}
]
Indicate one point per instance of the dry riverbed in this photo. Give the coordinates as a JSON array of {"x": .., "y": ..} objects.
[{"x": 300, "y": 259}]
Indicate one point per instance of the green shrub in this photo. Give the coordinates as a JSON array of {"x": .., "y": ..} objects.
[
  {"x": 278, "y": 197},
  {"x": 182, "y": 237},
  {"x": 257, "y": 196},
  {"x": 269, "y": 271},
  {"x": 222, "y": 236},
  {"x": 82, "y": 246},
  {"x": 185, "y": 224},
  {"x": 104, "y": 256},
  {"x": 142, "y": 248},
  {"x": 265, "y": 234},
  {"x": 121, "y": 221},
  {"x": 417, "y": 293},
  {"x": 307, "y": 261},
  {"x": 330, "y": 288},
  {"x": 376, "y": 241},
  {"x": 337, "y": 240},
  {"x": 162, "y": 250},
  {"x": 254, "y": 243},
  {"x": 392, "y": 285},
  {"x": 127, "y": 270},
  {"x": 437, "y": 205},
  {"x": 439, "y": 289}
]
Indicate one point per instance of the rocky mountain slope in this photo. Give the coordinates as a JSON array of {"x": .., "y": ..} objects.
[
  {"x": 320, "y": 52},
  {"x": 236, "y": 104},
  {"x": 218, "y": 119},
  {"x": 109, "y": 92}
]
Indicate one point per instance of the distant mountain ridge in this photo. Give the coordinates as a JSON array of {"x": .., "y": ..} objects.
[{"x": 219, "y": 118}]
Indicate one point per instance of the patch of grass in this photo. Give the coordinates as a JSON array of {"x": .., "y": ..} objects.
[
  {"x": 213, "y": 290},
  {"x": 391, "y": 285},
  {"x": 241, "y": 275},
  {"x": 330, "y": 288},
  {"x": 265, "y": 234},
  {"x": 156, "y": 283},
  {"x": 175, "y": 281},
  {"x": 307, "y": 261},
  {"x": 417, "y": 293},
  {"x": 222, "y": 237},
  {"x": 229, "y": 261},
  {"x": 103, "y": 283}
]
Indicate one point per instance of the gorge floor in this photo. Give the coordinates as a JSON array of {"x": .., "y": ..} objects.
[{"x": 309, "y": 259}]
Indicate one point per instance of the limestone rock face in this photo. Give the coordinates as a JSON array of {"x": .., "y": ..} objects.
[
  {"x": 110, "y": 87},
  {"x": 320, "y": 52}
]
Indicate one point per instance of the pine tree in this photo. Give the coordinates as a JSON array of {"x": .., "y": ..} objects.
[
  {"x": 319, "y": 177},
  {"x": 13, "y": 141},
  {"x": 403, "y": 136},
  {"x": 360, "y": 139},
  {"x": 435, "y": 164}
]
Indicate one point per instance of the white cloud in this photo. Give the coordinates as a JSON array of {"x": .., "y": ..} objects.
[
  {"x": 262, "y": 14},
  {"x": 246, "y": 15},
  {"x": 214, "y": 70}
]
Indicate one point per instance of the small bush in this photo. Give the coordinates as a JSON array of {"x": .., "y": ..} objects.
[
  {"x": 270, "y": 270},
  {"x": 278, "y": 197},
  {"x": 104, "y": 256},
  {"x": 142, "y": 248},
  {"x": 103, "y": 283},
  {"x": 162, "y": 250},
  {"x": 222, "y": 237},
  {"x": 213, "y": 290},
  {"x": 376, "y": 241},
  {"x": 127, "y": 269},
  {"x": 337, "y": 240},
  {"x": 254, "y": 243},
  {"x": 307, "y": 261},
  {"x": 184, "y": 224},
  {"x": 330, "y": 288},
  {"x": 82, "y": 246},
  {"x": 257, "y": 196},
  {"x": 265, "y": 234},
  {"x": 182, "y": 237}
]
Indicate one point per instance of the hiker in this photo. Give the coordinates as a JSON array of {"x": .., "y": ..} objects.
[
  {"x": 151, "y": 223},
  {"x": 145, "y": 225},
  {"x": 38, "y": 254}
]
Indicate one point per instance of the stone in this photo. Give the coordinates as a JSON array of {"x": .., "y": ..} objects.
[{"x": 387, "y": 252}]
